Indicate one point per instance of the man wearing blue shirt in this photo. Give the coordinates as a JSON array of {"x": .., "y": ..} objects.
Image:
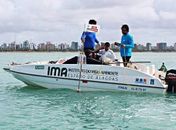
[
  {"x": 89, "y": 39},
  {"x": 126, "y": 45}
]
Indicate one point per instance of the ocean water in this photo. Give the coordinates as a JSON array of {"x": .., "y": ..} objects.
[{"x": 28, "y": 108}]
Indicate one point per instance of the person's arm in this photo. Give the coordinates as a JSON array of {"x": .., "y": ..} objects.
[
  {"x": 117, "y": 43},
  {"x": 99, "y": 49},
  {"x": 113, "y": 55},
  {"x": 83, "y": 36},
  {"x": 96, "y": 40}
]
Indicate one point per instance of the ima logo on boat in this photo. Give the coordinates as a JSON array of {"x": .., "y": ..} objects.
[{"x": 57, "y": 71}]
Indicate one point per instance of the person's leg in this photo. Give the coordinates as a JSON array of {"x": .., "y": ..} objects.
[
  {"x": 87, "y": 52},
  {"x": 126, "y": 59}
]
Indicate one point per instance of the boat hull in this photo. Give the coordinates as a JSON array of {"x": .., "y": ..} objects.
[{"x": 93, "y": 78}]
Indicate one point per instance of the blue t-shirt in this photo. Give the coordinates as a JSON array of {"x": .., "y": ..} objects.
[
  {"x": 127, "y": 40},
  {"x": 90, "y": 40}
]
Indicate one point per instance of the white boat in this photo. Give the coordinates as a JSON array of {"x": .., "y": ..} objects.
[{"x": 89, "y": 77}]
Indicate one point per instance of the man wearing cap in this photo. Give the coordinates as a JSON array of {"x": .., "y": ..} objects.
[{"x": 89, "y": 39}]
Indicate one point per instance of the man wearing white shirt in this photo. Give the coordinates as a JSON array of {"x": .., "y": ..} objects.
[{"x": 106, "y": 54}]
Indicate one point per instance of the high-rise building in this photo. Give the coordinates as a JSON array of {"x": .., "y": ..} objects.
[
  {"x": 74, "y": 46},
  {"x": 149, "y": 46},
  {"x": 12, "y": 46},
  {"x": 175, "y": 46},
  {"x": 18, "y": 47},
  {"x": 63, "y": 46},
  {"x": 4, "y": 46},
  {"x": 42, "y": 47},
  {"x": 26, "y": 45},
  {"x": 50, "y": 46},
  {"x": 33, "y": 46},
  {"x": 140, "y": 47},
  {"x": 162, "y": 46}
]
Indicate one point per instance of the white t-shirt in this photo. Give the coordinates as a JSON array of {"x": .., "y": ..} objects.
[{"x": 107, "y": 54}]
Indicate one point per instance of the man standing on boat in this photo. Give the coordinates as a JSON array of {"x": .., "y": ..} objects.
[
  {"x": 126, "y": 45},
  {"x": 88, "y": 37}
]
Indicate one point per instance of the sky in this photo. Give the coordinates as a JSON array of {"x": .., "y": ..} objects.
[{"x": 63, "y": 20}]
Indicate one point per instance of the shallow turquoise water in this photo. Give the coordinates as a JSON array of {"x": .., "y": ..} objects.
[{"x": 27, "y": 107}]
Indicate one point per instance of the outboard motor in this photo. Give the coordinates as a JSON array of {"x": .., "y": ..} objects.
[{"x": 171, "y": 81}]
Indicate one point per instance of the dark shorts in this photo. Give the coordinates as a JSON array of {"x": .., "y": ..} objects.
[
  {"x": 88, "y": 51},
  {"x": 126, "y": 58}
]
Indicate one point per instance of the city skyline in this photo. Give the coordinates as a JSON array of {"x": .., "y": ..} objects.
[
  {"x": 44, "y": 20},
  {"x": 76, "y": 46}
]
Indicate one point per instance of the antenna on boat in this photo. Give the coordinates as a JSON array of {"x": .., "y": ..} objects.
[{"x": 80, "y": 61}]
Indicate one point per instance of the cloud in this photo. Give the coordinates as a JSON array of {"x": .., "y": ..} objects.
[{"x": 63, "y": 20}]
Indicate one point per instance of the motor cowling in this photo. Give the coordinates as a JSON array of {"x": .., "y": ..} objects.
[{"x": 171, "y": 81}]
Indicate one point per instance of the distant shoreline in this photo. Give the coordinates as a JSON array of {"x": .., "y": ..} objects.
[
  {"x": 79, "y": 51},
  {"x": 37, "y": 51}
]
